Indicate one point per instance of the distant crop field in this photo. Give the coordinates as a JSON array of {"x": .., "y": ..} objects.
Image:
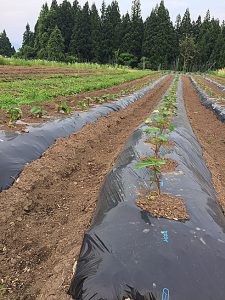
[
  {"x": 19, "y": 86},
  {"x": 33, "y": 94}
]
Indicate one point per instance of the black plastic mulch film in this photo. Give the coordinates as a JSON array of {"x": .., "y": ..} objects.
[
  {"x": 220, "y": 86},
  {"x": 16, "y": 150},
  {"x": 129, "y": 254},
  {"x": 218, "y": 109}
]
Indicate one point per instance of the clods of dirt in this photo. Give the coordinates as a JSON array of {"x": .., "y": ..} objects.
[
  {"x": 170, "y": 166},
  {"x": 163, "y": 206}
]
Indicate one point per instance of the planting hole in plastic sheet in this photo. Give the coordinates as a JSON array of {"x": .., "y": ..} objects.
[
  {"x": 16, "y": 150},
  {"x": 129, "y": 254}
]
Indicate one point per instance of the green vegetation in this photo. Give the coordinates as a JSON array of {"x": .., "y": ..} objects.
[
  {"x": 71, "y": 33},
  {"x": 63, "y": 106},
  {"x": 38, "y": 111},
  {"x": 6, "y": 48},
  {"x": 39, "y": 62},
  {"x": 208, "y": 90},
  {"x": 15, "y": 113},
  {"x": 3, "y": 289},
  {"x": 55, "y": 47},
  {"x": 82, "y": 105},
  {"x": 45, "y": 89},
  {"x": 107, "y": 37},
  {"x": 158, "y": 128},
  {"x": 219, "y": 73}
]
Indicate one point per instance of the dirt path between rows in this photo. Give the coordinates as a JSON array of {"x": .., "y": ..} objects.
[
  {"x": 22, "y": 71},
  {"x": 211, "y": 134},
  {"x": 45, "y": 214},
  {"x": 212, "y": 86},
  {"x": 218, "y": 79}
]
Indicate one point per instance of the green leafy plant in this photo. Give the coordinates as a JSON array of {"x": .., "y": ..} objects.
[
  {"x": 38, "y": 111},
  {"x": 88, "y": 100},
  {"x": 99, "y": 100},
  {"x": 155, "y": 165},
  {"x": 63, "y": 106},
  {"x": 157, "y": 128},
  {"x": 82, "y": 105},
  {"x": 15, "y": 113},
  {"x": 3, "y": 289}
]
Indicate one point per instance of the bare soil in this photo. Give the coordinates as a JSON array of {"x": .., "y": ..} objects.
[
  {"x": 163, "y": 206},
  {"x": 170, "y": 166},
  {"x": 211, "y": 134},
  {"x": 213, "y": 87},
  {"x": 217, "y": 79},
  {"x": 23, "y": 71},
  {"x": 219, "y": 93},
  {"x": 44, "y": 215},
  {"x": 51, "y": 107}
]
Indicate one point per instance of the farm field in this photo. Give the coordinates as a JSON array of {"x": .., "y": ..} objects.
[
  {"x": 112, "y": 150},
  {"x": 218, "y": 79},
  {"x": 58, "y": 193},
  {"x": 211, "y": 134},
  {"x": 211, "y": 89},
  {"x": 57, "y": 91},
  {"x": 94, "y": 144}
]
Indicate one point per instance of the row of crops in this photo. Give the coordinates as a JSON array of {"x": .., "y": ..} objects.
[
  {"x": 133, "y": 250},
  {"x": 150, "y": 256}
]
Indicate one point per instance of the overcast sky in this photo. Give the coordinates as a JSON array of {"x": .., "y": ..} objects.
[{"x": 14, "y": 14}]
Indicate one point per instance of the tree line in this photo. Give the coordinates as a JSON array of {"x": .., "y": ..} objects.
[{"x": 70, "y": 33}]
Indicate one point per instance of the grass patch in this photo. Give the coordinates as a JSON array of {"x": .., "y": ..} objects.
[
  {"x": 219, "y": 73},
  {"x": 37, "y": 62}
]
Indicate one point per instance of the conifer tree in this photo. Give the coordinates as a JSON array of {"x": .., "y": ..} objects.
[
  {"x": 150, "y": 39},
  {"x": 106, "y": 30},
  {"x": 115, "y": 20},
  {"x": 160, "y": 39},
  {"x": 6, "y": 48},
  {"x": 95, "y": 34},
  {"x": 208, "y": 35},
  {"x": 40, "y": 33},
  {"x": 83, "y": 35},
  {"x": 186, "y": 25},
  {"x": 55, "y": 47},
  {"x": 218, "y": 54},
  {"x": 110, "y": 31},
  {"x": 28, "y": 37},
  {"x": 76, "y": 9},
  {"x": 196, "y": 27},
  {"x": 66, "y": 22},
  {"x": 137, "y": 28},
  {"x": 126, "y": 41},
  {"x": 27, "y": 50},
  {"x": 53, "y": 17}
]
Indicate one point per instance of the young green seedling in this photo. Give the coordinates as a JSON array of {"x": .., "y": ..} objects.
[
  {"x": 63, "y": 106},
  {"x": 88, "y": 100},
  {"x": 38, "y": 111},
  {"x": 155, "y": 165},
  {"x": 15, "y": 113},
  {"x": 82, "y": 105},
  {"x": 158, "y": 126},
  {"x": 157, "y": 139}
]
